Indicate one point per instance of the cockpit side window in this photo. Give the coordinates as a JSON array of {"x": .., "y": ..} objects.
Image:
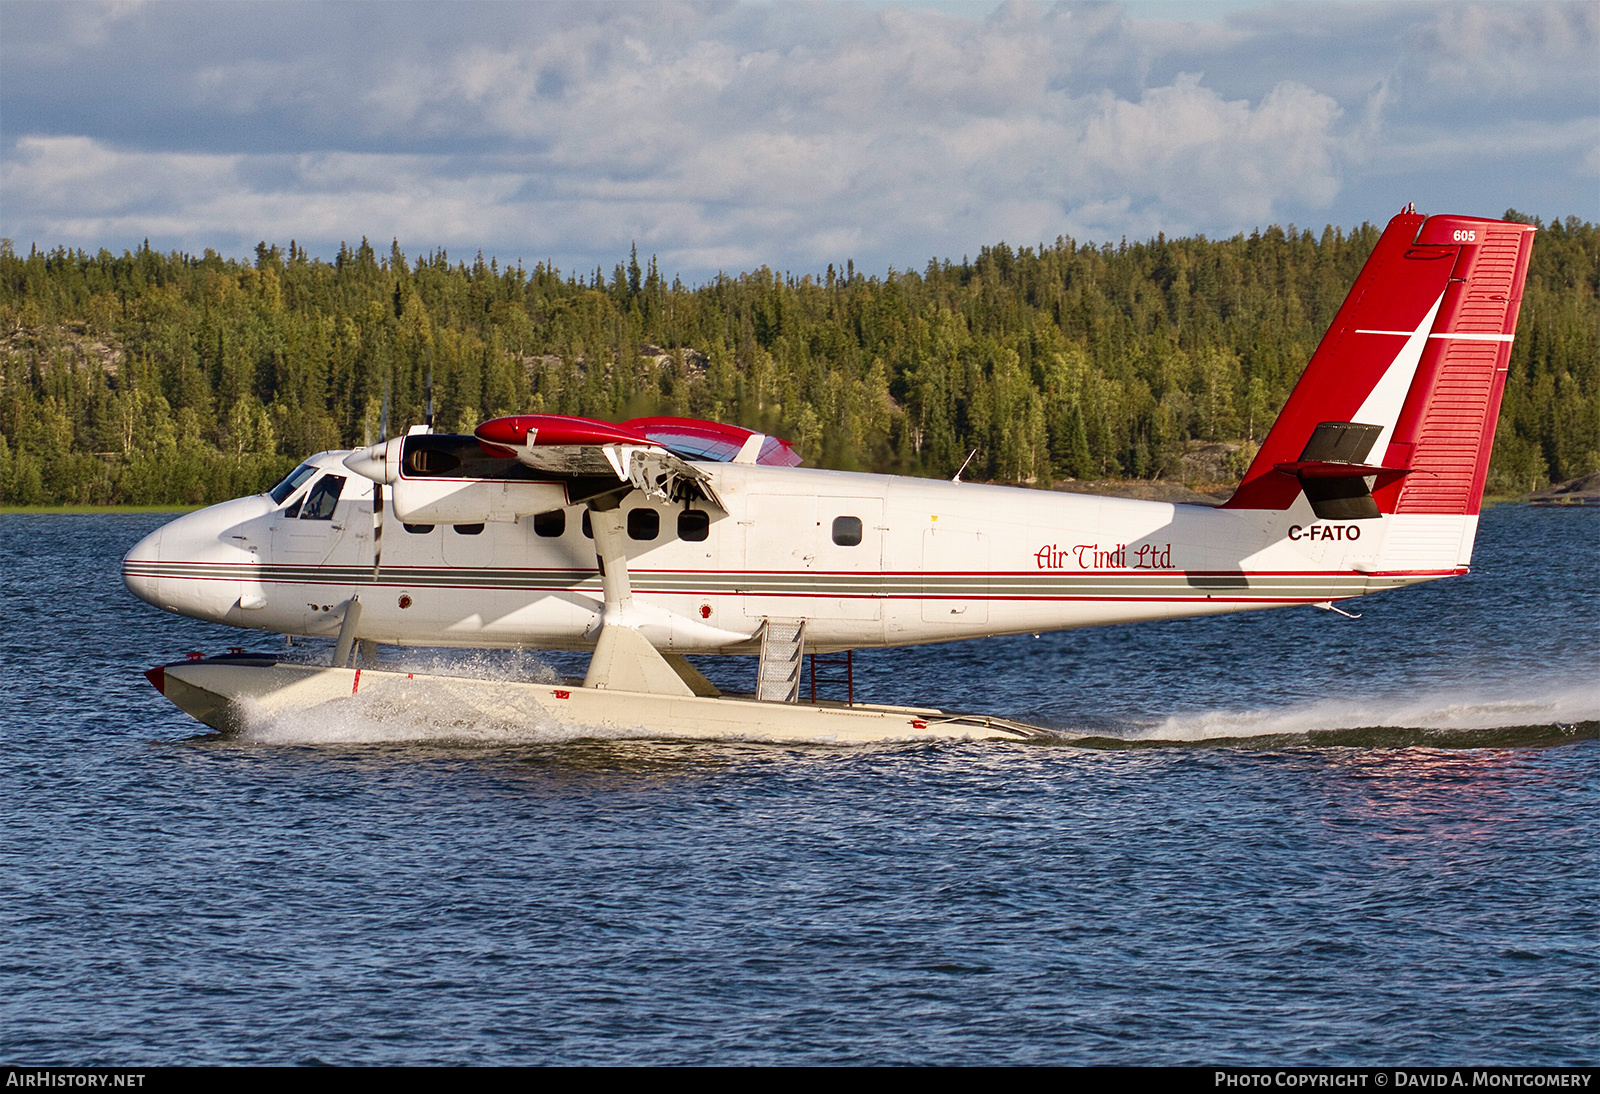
[
  {"x": 291, "y": 483},
  {"x": 320, "y": 501}
]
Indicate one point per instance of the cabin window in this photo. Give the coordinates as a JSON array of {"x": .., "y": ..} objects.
[
  {"x": 291, "y": 483},
  {"x": 468, "y": 529},
  {"x": 694, "y": 525},
  {"x": 644, "y": 524},
  {"x": 588, "y": 529},
  {"x": 418, "y": 529},
  {"x": 320, "y": 501},
  {"x": 551, "y": 524},
  {"x": 847, "y": 531},
  {"x": 293, "y": 510}
]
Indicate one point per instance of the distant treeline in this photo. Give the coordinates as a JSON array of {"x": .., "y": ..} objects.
[{"x": 148, "y": 378}]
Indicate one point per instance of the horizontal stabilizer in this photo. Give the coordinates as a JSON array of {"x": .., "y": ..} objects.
[
  {"x": 1340, "y": 442},
  {"x": 1318, "y": 469}
]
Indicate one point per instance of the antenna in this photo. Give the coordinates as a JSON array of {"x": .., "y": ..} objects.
[{"x": 957, "y": 476}]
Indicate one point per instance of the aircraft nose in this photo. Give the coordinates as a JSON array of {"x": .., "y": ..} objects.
[
  {"x": 141, "y": 567},
  {"x": 194, "y": 565}
]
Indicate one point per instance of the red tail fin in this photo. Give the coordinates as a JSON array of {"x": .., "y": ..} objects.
[{"x": 1404, "y": 390}]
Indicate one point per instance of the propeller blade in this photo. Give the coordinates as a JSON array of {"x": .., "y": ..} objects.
[
  {"x": 377, "y": 529},
  {"x": 377, "y": 487}
]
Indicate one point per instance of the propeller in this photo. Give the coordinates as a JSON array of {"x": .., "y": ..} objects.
[{"x": 377, "y": 492}]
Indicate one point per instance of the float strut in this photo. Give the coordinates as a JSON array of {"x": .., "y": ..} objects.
[
  {"x": 623, "y": 659},
  {"x": 347, "y": 633}
]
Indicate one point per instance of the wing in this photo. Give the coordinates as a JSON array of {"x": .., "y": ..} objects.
[
  {"x": 713, "y": 442},
  {"x": 527, "y": 463},
  {"x": 584, "y": 449}
]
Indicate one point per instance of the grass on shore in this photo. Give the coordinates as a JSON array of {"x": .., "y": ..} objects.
[{"x": 42, "y": 510}]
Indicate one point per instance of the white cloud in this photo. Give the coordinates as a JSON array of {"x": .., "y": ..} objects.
[
  {"x": 87, "y": 192},
  {"x": 1486, "y": 50},
  {"x": 725, "y": 136},
  {"x": 77, "y": 175},
  {"x": 1197, "y": 153},
  {"x": 1574, "y": 142}
]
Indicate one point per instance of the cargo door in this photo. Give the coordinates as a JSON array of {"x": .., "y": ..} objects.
[{"x": 955, "y": 577}]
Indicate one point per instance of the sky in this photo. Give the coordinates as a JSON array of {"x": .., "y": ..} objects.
[{"x": 728, "y": 136}]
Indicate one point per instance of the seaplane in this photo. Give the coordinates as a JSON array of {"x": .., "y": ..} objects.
[{"x": 654, "y": 540}]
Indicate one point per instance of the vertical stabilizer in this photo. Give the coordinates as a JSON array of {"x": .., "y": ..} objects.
[{"x": 1395, "y": 413}]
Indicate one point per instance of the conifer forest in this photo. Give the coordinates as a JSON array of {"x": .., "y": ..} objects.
[{"x": 150, "y": 378}]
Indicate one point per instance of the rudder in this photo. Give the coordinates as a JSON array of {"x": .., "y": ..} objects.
[{"x": 1445, "y": 433}]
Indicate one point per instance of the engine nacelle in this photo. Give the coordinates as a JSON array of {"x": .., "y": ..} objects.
[{"x": 443, "y": 478}]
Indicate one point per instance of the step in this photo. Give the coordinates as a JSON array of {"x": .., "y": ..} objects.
[{"x": 782, "y": 648}]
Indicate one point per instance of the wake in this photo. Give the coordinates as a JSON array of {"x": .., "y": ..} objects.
[
  {"x": 1567, "y": 711},
  {"x": 436, "y": 714},
  {"x": 1523, "y": 714},
  {"x": 433, "y": 719}
]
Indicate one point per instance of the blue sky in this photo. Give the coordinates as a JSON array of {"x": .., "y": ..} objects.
[{"x": 725, "y": 136}]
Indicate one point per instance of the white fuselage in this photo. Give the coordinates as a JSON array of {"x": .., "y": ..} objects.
[{"x": 935, "y": 561}]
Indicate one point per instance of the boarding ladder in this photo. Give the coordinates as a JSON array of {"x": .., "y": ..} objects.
[
  {"x": 783, "y": 642},
  {"x": 837, "y": 669}
]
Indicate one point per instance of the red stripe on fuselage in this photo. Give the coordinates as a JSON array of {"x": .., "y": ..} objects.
[{"x": 907, "y": 594}]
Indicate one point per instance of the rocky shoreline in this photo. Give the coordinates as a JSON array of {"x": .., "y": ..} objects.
[{"x": 1584, "y": 491}]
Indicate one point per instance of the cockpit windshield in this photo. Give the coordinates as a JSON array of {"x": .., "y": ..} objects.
[
  {"x": 299, "y": 475},
  {"x": 322, "y": 498}
]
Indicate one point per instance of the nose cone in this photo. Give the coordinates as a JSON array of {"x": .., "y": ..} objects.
[
  {"x": 141, "y": 568},
  {"x": 196, "y": 564},
  {"x": 371, "y": 462}
]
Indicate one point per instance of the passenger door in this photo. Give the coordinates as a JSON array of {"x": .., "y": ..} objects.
[{"x": 808, "y": 557}]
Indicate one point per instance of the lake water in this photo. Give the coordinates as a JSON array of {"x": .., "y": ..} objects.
[{"x": 1295, "y": 839}]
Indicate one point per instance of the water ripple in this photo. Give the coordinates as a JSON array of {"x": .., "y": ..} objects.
[{"x": 1293, "y": 839}]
